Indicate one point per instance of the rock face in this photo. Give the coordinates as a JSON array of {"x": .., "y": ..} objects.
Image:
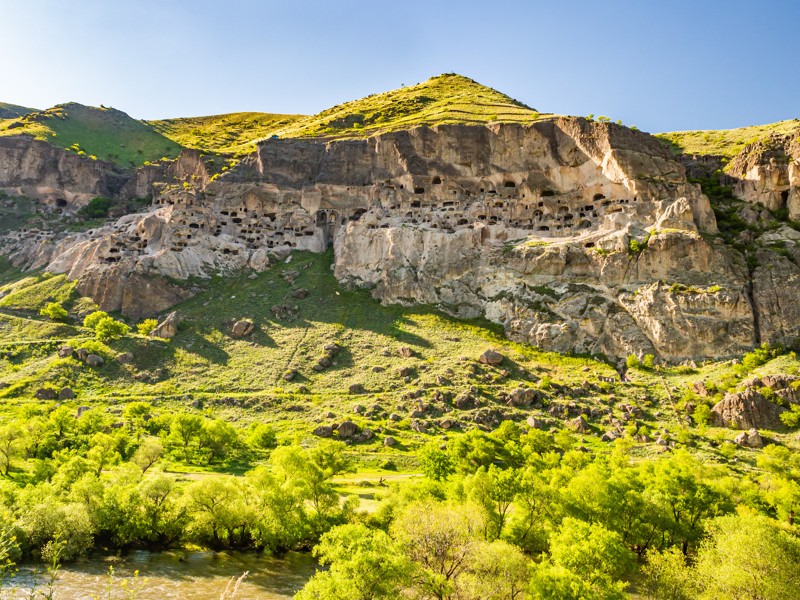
[
  {"x": 574, "y": 235},
  {"x": 746, "y": 410},
  {"x": 768, "y": 173},
  {"x": 59, "y": 179}
]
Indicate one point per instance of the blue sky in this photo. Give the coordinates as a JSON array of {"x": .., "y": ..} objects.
[{"x": 660, "y": 65}]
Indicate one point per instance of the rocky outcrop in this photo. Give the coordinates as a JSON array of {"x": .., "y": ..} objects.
[
  {"x": 767, "y": 172},
  {"x": 746, "y": 410},
  {"x": 58, "y": 178},
  {"x": 574, "y": 235}
]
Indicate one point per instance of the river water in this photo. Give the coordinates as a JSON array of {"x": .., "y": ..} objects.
[{"x": 187, "y": 575}]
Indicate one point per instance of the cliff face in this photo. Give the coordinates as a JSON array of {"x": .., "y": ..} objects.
[
  {"x": 59, "y": 179},
  {"x": 576, "y": 236}
]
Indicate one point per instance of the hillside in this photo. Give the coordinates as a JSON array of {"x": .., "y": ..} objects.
[
  {"x": 234, "y": 133},
  {"x": 448, "y": 98},
  {"x": 12, "y": 111},
  {"x": 725, "y": 142},
  {"x": 104, "y": 133}
]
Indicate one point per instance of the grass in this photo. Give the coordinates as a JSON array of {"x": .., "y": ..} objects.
[
  {"x": 12, "y": 111},
  {"x": 725, "y": 142},
  {"x": 241, "y": 380},
  {"x": 234, "y": 133},
  {"x": 103, "y": 133},
  {"x": 445, "y": 99}
]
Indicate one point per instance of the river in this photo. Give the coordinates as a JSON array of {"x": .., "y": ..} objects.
[{"x": 173, "y": 575}]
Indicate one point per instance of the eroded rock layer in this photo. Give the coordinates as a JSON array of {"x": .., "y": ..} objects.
[{"x": 576, "y": 236}]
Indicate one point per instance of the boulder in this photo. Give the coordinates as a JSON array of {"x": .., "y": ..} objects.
[
  {"x": 66, "y": 394},
  {"x": 389, "y": 441},
  {"x": 93, "y": 360},
  {"x": 464, "y": 401},
  {"x": 168, "y": 328},
  {"x": 46, "y": 394},
  {"x": 609, "y": 436},
  {"x": 323, "y": 431},
  {"x": 65, "y": 351},
  {"x": 535, "y": 422},
  {"x": 406, "y": 352},
  {"x": 746, "y": 410},
  {"x": 578, "y": 424},
  {"x": 125, "y": 358},
  {"x": 289, "y": 375},
  {"x": 749, "y": 439},
  {"x": 300, "y": 294},
  {"x": 324, "y": 362},
  {"x": 521, "y": 397},
  {"x": 356, "y": 388},
  {"x": 82, "y": 353},
  {"x": 242, "y": 328},
  {"x": 347, "y": 429},
  {"x": 490, "y": 357}
]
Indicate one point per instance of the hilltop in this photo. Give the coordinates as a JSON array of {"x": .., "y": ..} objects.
[
  {"x": 102, "y": 133},
  {"x": 12, "y": 111},
  {"x": 234, "y": 133},
  {"x": 446, "y": 99},
  {"x": 725, "y": 142}
]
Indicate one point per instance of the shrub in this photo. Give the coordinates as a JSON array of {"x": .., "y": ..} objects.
[
  {"x": 94, "y": 318},
  {"x": 146, "y": 326},
  {"x": 97, "y": 208},
  {"x": 648, "y": 361},
  {"x": 54, "y": 311},
  {"x": 109, "y": 328},
  {"x": 633, "y": 362}
]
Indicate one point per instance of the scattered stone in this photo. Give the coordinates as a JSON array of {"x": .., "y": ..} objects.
[
  {"x": 521, "y": 397},
  {"x": 290, "y": 276},
  {"x": 359, "y": 409},
  {"x": 66, "y": 394},
  {"x": 168, "y": 328},
  {"x": 418, "y": 426},
  {"x": 490, "y": 357},
  {"x": 125, "y": 358},
  {"x": 46, "y": 394},
  {"x": 578, "y": 424},
  {"x": 329, "y": 415},
  {"x": 347, "y": 429},
  {"x": 442, "y": 380},
  {"x": 749, "y": 439},
  {"x": 289, "y": 375},
  {"x": 324, "y": 362},
  {"x": 356, "y": 388},
  {"x": 93, "y": 360},
  {"x": 65, "y": 351},
  {"x": 80, "y": 411},
  {"x": 464, "y": 401},
  {"x": 534, "y": 422},
  {"x": 82, "y": 353},
  {"x": 242, "y": 328},
  {"x": 609, "y": 436},
  {"x": 389, "y": 441},
  {"x": 366, "y": 435},
  {"x": 395, "y": 417},
  {"x": 406, "y": 352},
  {"x": 323, "y": 431},
  {"x": 318, "y": 367},
  {"x": 300, "y": 294},
  {"x": 196, "y": 404}
]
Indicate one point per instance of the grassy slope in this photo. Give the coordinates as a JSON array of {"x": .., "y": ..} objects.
[
  {"x": 234, "y": 133},
  {"x": 106, "y": 133},
  {"x": 724, "y": 142},
  {"x": 444, "y": 99},
  {"x": 12, "y": 111},
  {"x": 242, "y": 379}
]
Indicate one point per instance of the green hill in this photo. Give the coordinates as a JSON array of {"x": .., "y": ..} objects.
[
  {"x": 234, "y": 133},
  {"x": 104, "y": 133},
  {"x": 12, "y": 111},
  {"x": 447, "y": 98},
  {"x": 724, "y": 142}
]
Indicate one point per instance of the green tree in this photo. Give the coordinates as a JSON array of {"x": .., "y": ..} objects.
[
  {"x": 667, "y": 576},
  {"x": 365, "y": 564},
  {"x": 10, "y": 445},
  {"x": 435, "y": 462},
  {"x": 747, "y": 556}
]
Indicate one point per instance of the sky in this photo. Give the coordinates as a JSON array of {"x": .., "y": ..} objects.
[{"x": 662, "y": 65}]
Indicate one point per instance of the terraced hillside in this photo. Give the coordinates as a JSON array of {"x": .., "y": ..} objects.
[{"x": 448, "y": 98}]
